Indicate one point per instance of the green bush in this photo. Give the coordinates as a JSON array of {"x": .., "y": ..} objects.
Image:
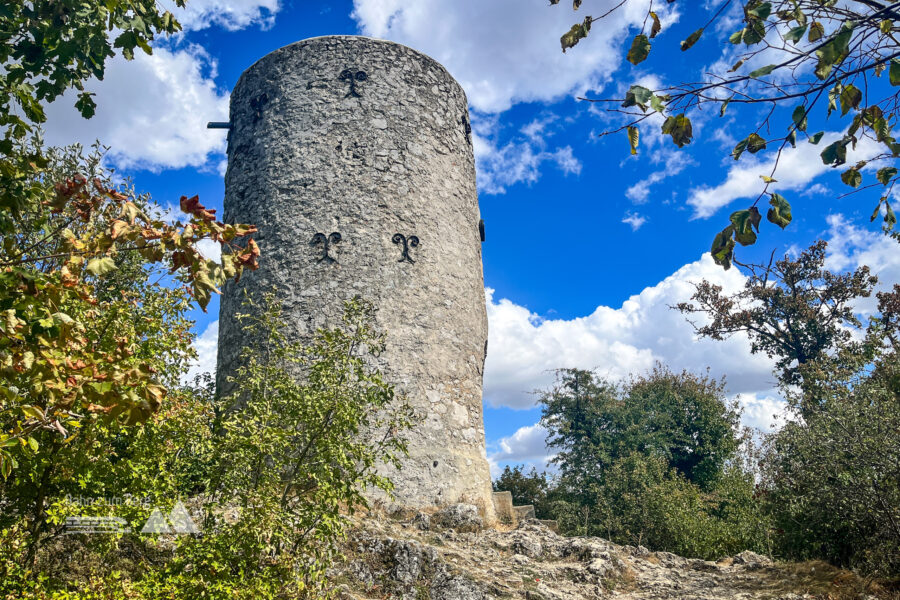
[{"x": 271, "y": 472}]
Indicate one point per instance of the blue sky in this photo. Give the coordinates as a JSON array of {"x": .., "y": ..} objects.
[{"x": 586, "y": 246}]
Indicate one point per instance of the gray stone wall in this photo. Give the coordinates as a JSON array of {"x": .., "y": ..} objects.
[{"x": 369, "y": 139}]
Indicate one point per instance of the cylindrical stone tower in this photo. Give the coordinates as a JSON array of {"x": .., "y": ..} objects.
[{"x": 353, "y": 156}]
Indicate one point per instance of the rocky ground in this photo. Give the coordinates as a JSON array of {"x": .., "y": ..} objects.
[{"x": 449, "y": 556}]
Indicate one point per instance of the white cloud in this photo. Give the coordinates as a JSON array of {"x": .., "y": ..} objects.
[
  {"x": 505, "y": 51},
  {"x": 850, "y": 246},
  {"x": 519, "y": 160},
  {"x": 151, "y": 111},
  {"x": 527, "y": 445},
  {"x": 206, "y": 345},
  {"x": 524, "y": 349},
  {"x": 210, "y": 250},
  {"x": 762, "y": 412},
  {"x": 228, "y": 14},
  {"x": 797, "y": 168},
  {"x": 635, "y": 220}
]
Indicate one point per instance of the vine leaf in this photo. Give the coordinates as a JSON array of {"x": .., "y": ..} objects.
[
  {"x": 679, "y": 127},
  {"x": 816, "y": 32},
  {"x": 656, "y": 27},
  {"x": 780, "y": 213},
  {"x": 746, "y": 225},
  {"x": 640, "y": 49},
  {"x": 833, "y": 51},
  {"x": 633, "y": 138},
  {"x": 578, "y": 32},
  {"x": 763, "y": 71},
  {"x": 886, "y": 174},
  {"x": 723, "y": 247},
  {"x": 691, "y": 40}
]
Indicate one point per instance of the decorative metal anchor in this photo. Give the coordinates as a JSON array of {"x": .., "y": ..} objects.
[
  {"x": 326, "y": 241},
  {"x": 257, "y": 103},
  {"x": 353, "y": 78},
  {"x": 408, "y": 242}
]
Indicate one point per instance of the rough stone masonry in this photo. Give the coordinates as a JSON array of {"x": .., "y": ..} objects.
[{"x": 353, "y": 156}]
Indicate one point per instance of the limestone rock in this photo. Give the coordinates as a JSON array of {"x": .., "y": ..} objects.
[
  {"x": 460, "y": 517},
  {"x": 396, "y": 560}
]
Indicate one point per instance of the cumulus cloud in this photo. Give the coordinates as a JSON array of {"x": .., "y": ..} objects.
[
  {"x": 850, "y": 246},
  {"x": 525, "y": 349},
  {"x": 527, "y": 445},
  {"x": 151, "y": 111},
  {"x": 227, "y": 14},
  {"x": 206, "y": 345},
  {"x": 502, "y": 50},
  {"x": 797, "y": 169},
  {"x": 519, "y": 160}
]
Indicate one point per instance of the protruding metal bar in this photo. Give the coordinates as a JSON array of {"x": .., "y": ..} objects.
[{"x": 218, "y": 125}]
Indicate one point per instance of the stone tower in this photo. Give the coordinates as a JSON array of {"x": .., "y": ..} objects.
[{"x": 353, "y": 156}]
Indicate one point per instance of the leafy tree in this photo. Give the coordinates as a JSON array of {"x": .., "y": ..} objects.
[
  {"x": 85, "y": 330},
  {"x": 657, "y": 461},
  {"x": 793, "y": 310},
  {"x": 831, "y": 476},
  {"x": 273, "y": 483},
  {"x": 77, "y": 250},
  {"x": 796, "y": 58},
  {"x": 314, "y": 428},
  {"x": 682, "y": 418},
  {"x": 527, "y": 488},
  {"x": 47, "y": 48}
]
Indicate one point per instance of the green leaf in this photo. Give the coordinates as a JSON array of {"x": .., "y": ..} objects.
[
  {"x": 637, "y": 96},
  {"x": 850, "y": 98},
  {"x": 86, "y": 105},
  {"x": 755, "y": 33},
  {"x": 723, "y": 107},
  {"x": 755, "y": 143},
  {"x": 739, "y": 149},
  {"x": 816, "y": 138},
  {"x": 877, "y": 210},
  {"x": 886, "y": 174},
  {"x": 816, "y": 32},
  {"x": 679, "y": 127},
  {"x": 768, "y": 179},
  {"x": 835, "y": 153},
  {"x": 852, "y": 177},
  {"x": 100, "y": 266},
  {"x": 799, "y": 118},
  {"x": 744, "y": 223},
  {"x": 578, "y": 32},
  {"x": 885, "y": 26},
  {"x": 640, "y": 49},
  {"x": 795, "y": 34},
  {"x": 736, "y": 37},
  {"x": 691, "y": 40},
  {"x": 633, "y": 138},
  {"x": 33, "y": 412},
  {"x": 722, "y": 249},
  {"x": 889, "y": 218},
  {"x": 780, "y": 213},
  {"x": 761, "y": 11},
  {"x": 834, "y": 51},
  {"x": 763, "y": 71},
  {"x": 894, "y": 72}
]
